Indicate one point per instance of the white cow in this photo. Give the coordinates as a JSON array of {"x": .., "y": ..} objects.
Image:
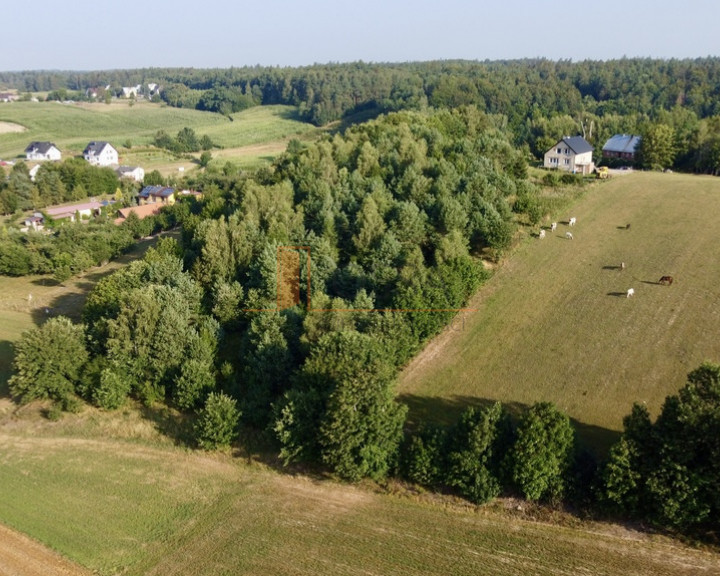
[
  {"x": 542, "y": 234},
  {"x": 568, "y": 235},
  {"x": 553, "y": 226},
  {"x": 572, "y": 221},
  {"x": 630, "y": 292}
]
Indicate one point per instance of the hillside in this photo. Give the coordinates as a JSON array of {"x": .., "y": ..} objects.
[
  {"x": 72, "y": 126},
  {"x": 110, "y": 493},
  {"x": 554, "y": 323}
]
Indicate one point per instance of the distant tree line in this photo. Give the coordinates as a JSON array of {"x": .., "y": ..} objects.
[{"x": 541, "y": 100}]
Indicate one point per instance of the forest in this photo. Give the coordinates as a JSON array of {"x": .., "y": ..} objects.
[
  {"x": 397, "y": 216},
  {"x": 541, "y": 100}
]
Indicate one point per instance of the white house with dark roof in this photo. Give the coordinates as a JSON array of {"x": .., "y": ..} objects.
[
  {"x": 100, "y": 154},
  {"x": 572, "y": 154},
  {"x": 131, "y": 172},
  {"x": 621, "y": 146},
  {"x": 42, "y": 151}
]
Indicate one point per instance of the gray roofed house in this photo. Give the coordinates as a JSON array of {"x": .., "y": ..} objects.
[
  {"x": 572, "y": 154},
  {"x": 42, "y": 151},
  {"x": 621, "y": 146},
  {"x": 100, "y": 153}
]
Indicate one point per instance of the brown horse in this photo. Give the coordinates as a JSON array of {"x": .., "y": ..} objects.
[{"x": 668, "y": 280}]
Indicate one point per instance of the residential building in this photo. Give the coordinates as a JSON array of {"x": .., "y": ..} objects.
[
  {"x": 42, "y": 151},
  {"x": 156, "y": 195},
  {"x": 131, "y": 172},
  {"x": 100, "y": 154},
  {"x": 572, "y": 154}
]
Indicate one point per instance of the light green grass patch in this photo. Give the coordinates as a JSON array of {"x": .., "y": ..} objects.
[{"x": 137, "y": 509}]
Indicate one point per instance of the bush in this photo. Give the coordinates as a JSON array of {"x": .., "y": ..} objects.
[{"x": 217, "y": 422}]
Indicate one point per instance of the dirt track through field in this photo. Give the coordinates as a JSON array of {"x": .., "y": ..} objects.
[{"x": 21, "y": 556}]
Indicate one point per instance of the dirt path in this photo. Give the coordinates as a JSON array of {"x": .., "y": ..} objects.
[{"x": 21, "y": 556}]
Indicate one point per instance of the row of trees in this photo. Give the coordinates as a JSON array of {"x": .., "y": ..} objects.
[
  {"x": 186, "y": 141},
  {"x": 55, "y": 183},
  {"x": 341, "y": 414}
]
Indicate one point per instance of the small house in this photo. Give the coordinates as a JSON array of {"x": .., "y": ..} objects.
[
  {"x": 135, "y": 173},
  {"x": 34, "y": 222},
  {"x": 572, "y": 154},
  {"x": 42, "y": 151},
  {"x": 100, "y": 154},
  {"x": 156, "y": 195}
]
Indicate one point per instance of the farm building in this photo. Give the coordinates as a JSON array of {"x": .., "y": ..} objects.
[
  {"x": 100, "y": 154},
  {"x": 86, "y": 209},
  {"x": 42, "y": 151},
  {"x": 621, "y": 146},
  {"x": 572, "y": 154}
]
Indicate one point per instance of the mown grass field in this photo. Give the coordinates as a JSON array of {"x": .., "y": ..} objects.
[
  {"x": 110, "y": 493},
  {"x": 72, "y": 126},
  {"x": 554, "y": 322}
]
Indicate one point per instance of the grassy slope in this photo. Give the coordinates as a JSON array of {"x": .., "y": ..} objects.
[
  {"x": 106, "y": 492},
  {"x": 72, "y": 126},
  {"x": 554, "y": 323}
]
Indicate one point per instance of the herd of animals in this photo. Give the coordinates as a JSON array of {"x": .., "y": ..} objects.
[{"x": 664, "y": 280}]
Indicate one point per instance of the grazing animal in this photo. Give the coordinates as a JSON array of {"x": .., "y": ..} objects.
[
  {"x": 568, "y": 235},
  {"x": 553, "y": 226},
  {"x": 622, "y": 265},
  {"x": 541, "y": 235},
  {"x": 630, "y": 292},
  {"x": 627, "y": 226},
  {"x": 666, "y": 280},
  {"x": 572, "y": 221}
]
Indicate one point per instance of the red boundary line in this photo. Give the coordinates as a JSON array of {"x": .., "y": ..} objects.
[{"x": 311, "y": 309}]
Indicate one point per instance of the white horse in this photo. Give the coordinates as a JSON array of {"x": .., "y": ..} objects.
[
  {"x": 572, "y": 221},
  {"x": 630, "y": 292},
  {"x": 568, "y": 235},
  {"x": 541, "y": 235},
  {"x": 553, "y": 226}
]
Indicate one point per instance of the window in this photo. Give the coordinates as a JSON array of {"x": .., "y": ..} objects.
[
  {"x": 567, "y": 161},
  {"x": 559, "y": 150}
]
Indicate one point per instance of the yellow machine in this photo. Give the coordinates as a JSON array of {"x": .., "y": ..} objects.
[{"x": 602, "y": 172}]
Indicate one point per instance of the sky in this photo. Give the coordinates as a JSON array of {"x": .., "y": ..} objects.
[{"x": 83, "y": 35}]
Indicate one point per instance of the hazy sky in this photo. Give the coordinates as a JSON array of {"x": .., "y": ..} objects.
[{"x": 84, "y": 35}]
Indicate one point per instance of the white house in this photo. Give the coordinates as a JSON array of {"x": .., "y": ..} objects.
[
  {"x": 131, "y": 172},
  {"x": 100, "y": 154},
  {"x": 42, "y": 151},
  {"x": 131, "y": 90},
  {"x": 572, "y": 154}
]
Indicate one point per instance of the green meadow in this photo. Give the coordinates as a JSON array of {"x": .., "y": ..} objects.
[{"x": 240, "y": 137}]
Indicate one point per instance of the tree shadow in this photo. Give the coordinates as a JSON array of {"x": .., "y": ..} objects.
[
  {"x": 45, "y": 281},
  {"x": 171, "y": 423},
  {"x": 447, "y": 411},
  {"x": 6, "y": 358}
]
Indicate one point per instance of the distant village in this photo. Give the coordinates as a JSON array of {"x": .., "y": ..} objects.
[{"x": 103, "y": 154}]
